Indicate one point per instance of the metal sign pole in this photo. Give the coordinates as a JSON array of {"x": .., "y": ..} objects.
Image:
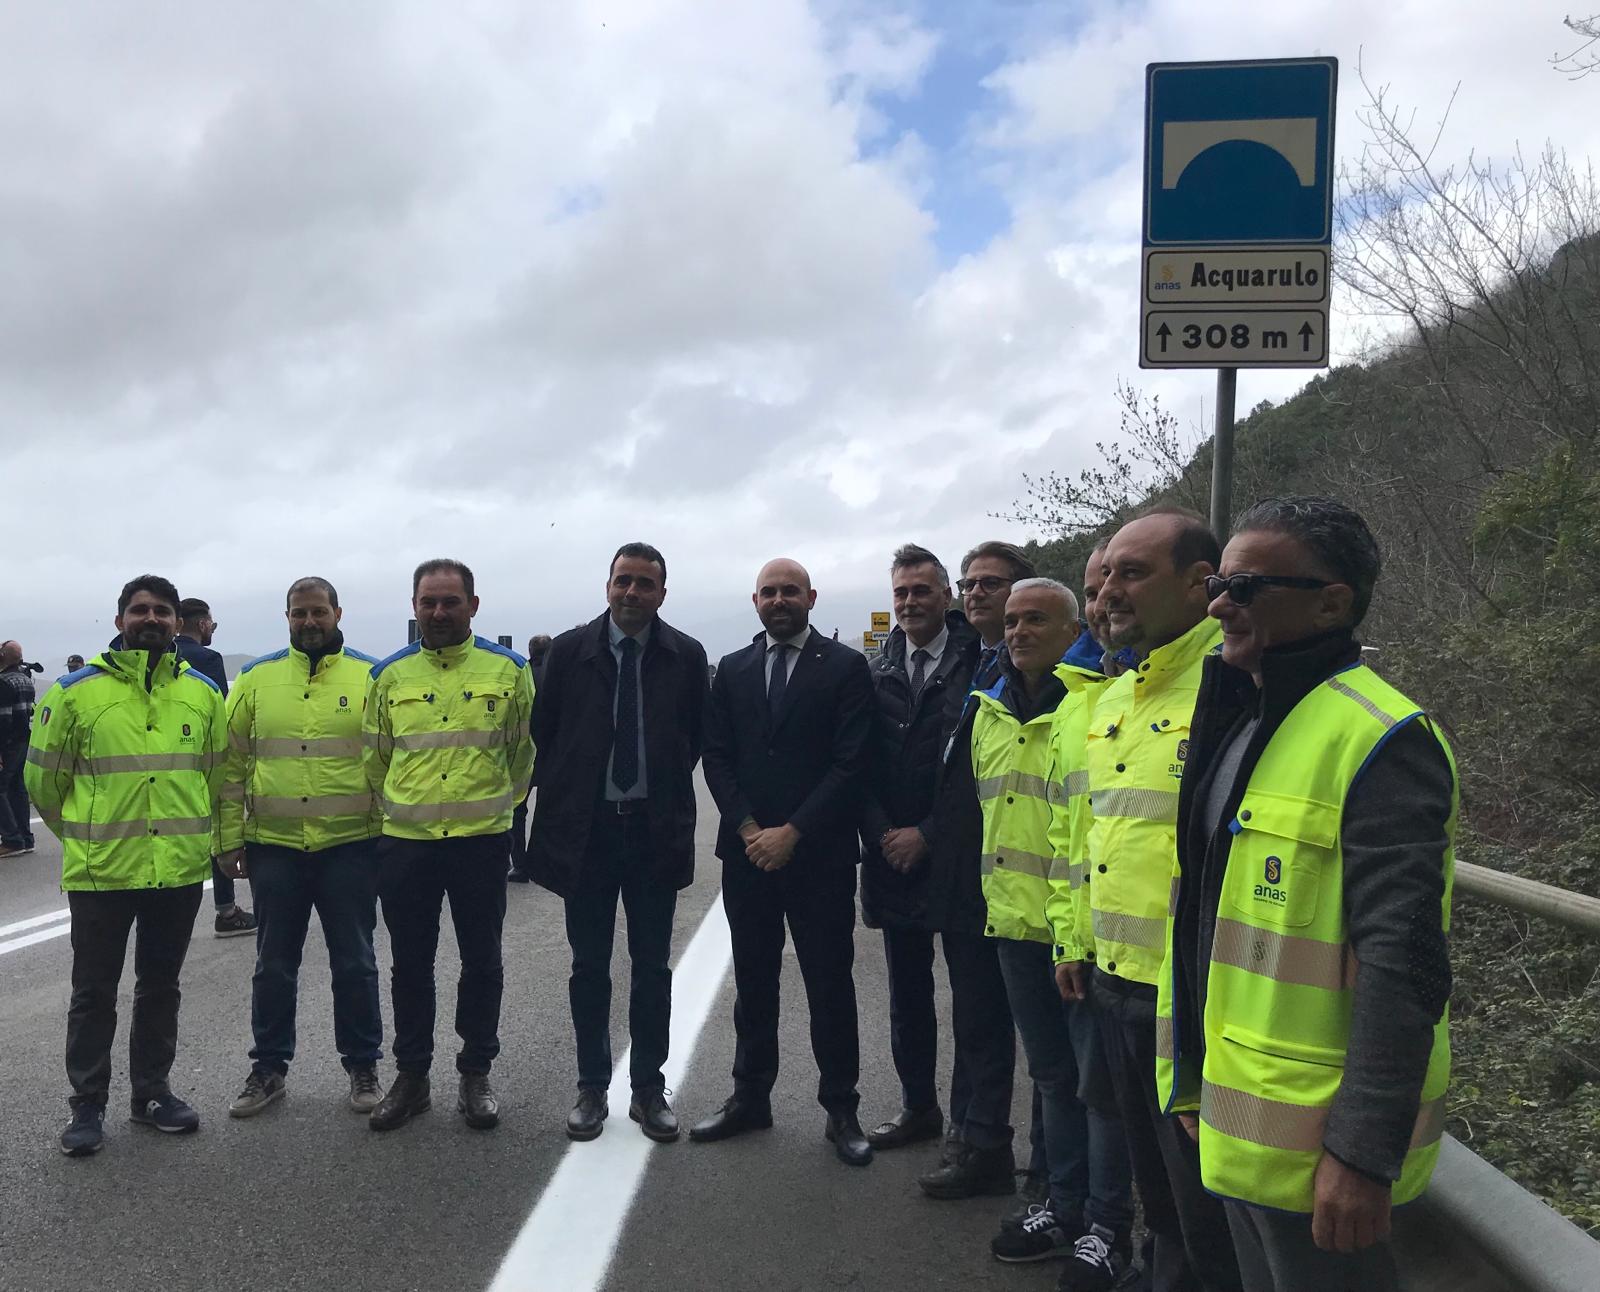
[{"x": 1222, "y": 455}]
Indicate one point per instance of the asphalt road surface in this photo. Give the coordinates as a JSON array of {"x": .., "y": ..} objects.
[{"x": 306, "y": 1197}]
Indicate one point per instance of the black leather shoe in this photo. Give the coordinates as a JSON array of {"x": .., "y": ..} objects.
[
  {"x": 588, "y": 1116},
  {"x": 844, "y": 1133},
  {"x": 477, "y": 1102},
  {"x": 735, "y": 1117},
  {"x": 654, "y": 1115},
  {"x": 909, "y": 1126},
  {"x": 972, "y": 1172},
  {"x": 409, "y": 1094}
]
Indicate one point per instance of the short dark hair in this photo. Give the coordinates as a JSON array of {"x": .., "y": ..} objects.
[
  {"x": 911, "y": 554},
  {"x": 192, "y": 608},
  {"x": 441, "y": 565},
  {"x": 1335, "y": 535},
  {"x": 1194, "y": 540},
  {"x": 539, "y": 641},
  {"x": 642, "y": 552},
  {"x": 156, "y": 586},
  {"x": 309, "y": 583},
  {"x": 1021, "y": 566}
]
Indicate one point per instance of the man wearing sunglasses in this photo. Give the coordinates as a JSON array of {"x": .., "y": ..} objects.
[
  {"x": 1153, "y": 600},
  {"x": 1307, "y": 969}
]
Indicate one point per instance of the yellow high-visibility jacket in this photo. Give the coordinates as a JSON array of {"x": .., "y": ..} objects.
[
  {"x": 447, "y": 745},
  {"x": 1137, "y": 743},
  {"x": 294, "y": 776},
  {"x": 1281, "y": 981},
  {"x": 124, "y": 764}
]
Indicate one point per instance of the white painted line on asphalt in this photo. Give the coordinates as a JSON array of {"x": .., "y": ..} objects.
[
  {"x": 49, "y": 917},
  {"x": 43, "y": 935},
  {"x": 569, "y": 1237}
]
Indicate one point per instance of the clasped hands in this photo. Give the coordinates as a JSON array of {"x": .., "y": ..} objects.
[{"x": 771, "y": 848}]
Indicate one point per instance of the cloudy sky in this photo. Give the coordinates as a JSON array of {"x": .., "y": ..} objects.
[{"x": 330, "y": 289}]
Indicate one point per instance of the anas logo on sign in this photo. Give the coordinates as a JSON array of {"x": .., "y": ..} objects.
[{"x": 1271, "y": 891}]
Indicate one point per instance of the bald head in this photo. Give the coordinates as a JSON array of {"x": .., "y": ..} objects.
[
  {"x": 10, "y": 654},
  {"x": 783, "y": 598}
]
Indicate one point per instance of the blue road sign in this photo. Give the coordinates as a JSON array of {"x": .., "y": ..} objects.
[{"x": 1239, "y": 152}]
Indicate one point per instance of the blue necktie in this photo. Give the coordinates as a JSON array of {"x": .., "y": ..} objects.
[
  {"x": 983, "y": 677},
  {"x": 625, "y": 751},
  {"x": 779, "y": 678}
]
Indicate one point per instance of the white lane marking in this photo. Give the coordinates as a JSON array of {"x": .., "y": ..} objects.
[
  {"x": 568, "y": 1239},
  {"x": 43, "y": 935}
]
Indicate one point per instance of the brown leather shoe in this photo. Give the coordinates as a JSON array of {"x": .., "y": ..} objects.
[{"x": 409, "y": 1095}]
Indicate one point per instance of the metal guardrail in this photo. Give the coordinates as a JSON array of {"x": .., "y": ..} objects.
[
  {"x": 1476, "y": 1229},
  {"x": 1575, "y": 910}
]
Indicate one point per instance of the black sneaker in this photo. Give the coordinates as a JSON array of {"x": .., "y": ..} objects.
[
  {"x": 1041, "y": 1237},
  {"x": 83, "y": 1135},
  {"x": 234, "y": 922},
  {"x": 167, "y": 1113},
  {"x": 1100, "y": 1260}
]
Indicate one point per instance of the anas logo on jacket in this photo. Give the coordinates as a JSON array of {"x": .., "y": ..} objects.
[
  {"x": 187, "y": 735},
  {"x": 344, "y": 701},
  {"x": 1274, "y": 869},
  {"x": 1269, "y": 891}
]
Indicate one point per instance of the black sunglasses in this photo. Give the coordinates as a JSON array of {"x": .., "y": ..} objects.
[{"x": 1241, "y": 588}]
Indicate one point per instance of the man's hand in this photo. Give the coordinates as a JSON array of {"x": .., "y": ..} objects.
[
  {"x": 1349, "y": 1211},
  {"x": 1191, "y": 1125},
  {"x": 1070, "y": 980},
  {"x": 231, "y": 863},
  {"x": 904, "y": 848},
  {"x": 773, "y": 848}
]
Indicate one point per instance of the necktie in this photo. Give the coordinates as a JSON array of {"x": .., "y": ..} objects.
[
  {"x": 984, "y": 675},
  {"x": 919, "y": 670},
  {"x": 625, "y": 750},
  {"x": 779, "y": 678}
]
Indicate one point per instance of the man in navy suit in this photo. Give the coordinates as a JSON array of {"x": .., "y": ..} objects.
[{"x": 785, "y": 749}]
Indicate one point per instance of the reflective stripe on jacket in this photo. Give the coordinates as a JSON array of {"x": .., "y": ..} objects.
[
  {"x": 294, "y": 776},
  {"x": 1135, "y": 751},
  {"x": 1011, "y": 763},
  {"x": 1281, "y": 980},
  {"x": 447, "y": 745},
  {"x": 124, "y": 763},
  {"x": 1069, "y": 818}
]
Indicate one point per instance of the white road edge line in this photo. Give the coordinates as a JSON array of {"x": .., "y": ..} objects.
[
  {"x": 43, "y": 935},
  {"x": 569, "y": 1237}
]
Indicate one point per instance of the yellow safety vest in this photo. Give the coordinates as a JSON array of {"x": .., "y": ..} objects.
[
  {"x": 1135, "y": 751},
  {"x": 293, "y": 776},
  {"x": 1011, "y": 762},
  {"x": 1281, "y": 981},
  {"x": 447, "y": 745},
  {"x": 124, "y": 769},
  {"x": 1069, "y": 819}
]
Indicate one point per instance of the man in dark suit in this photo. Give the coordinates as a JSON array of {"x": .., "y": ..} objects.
[
  {"x": 617, "y": 722},
  {"x": 786, "y": 740},
  {"x": 193, "y": 644},
  {"x": 922, "y": 681}
]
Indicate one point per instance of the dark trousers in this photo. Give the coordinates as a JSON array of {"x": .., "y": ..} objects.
[
  {"x": 164, "y": 918},
  {"x": 222, "y": 890},
  {"x": 16, "y": 820},
  {"x": 617, "y": 862},
  {"x": 1193, "y": 1248},
  {"x": 817, "y": 898},
  {"x": 985, "y": 1044},
  {"x": 341, "y": 885},
  {"x": 415, "y": 876},
  {"x": 519, "y": 836},
  {"x": 1278, "y": 1254},
  {"x": 1086, "y": 1153}
]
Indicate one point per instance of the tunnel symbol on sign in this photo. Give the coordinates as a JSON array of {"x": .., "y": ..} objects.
[{"x": 1292, "y": 138}]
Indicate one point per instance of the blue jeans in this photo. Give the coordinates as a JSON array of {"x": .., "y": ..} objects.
[
  {"x": 341, "y": 884},
  {"x": 1087, "y": 1154}
]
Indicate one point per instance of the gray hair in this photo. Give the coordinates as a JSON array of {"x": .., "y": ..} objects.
[
  {"x": 908, "y": 554},
  {"x": 1335, "y": 535},
  {"x": 1052, "y": 585}
]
